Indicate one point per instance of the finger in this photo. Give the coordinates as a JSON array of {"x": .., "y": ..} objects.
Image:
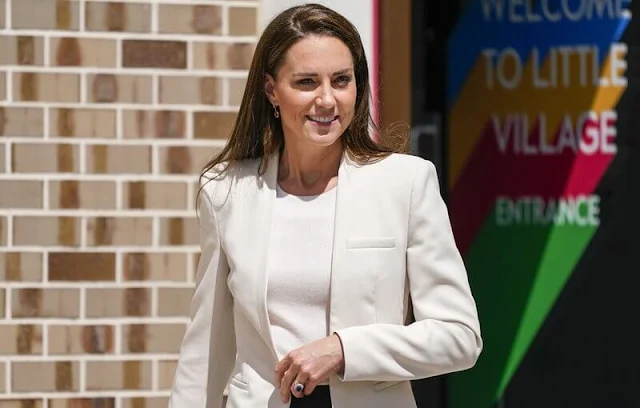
[
  {"x": 310, "y": 386},
  {"x": 285, "y": 383},
  {"x": 312, "y": 383},
  {"x": 281, "y": 368},
  {"x": 302, "y": 379},
  {"x": 318, "y": 375}
]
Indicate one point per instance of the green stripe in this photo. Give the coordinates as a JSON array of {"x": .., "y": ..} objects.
[
  {"x": 516, "y": 273},
  {"x": 564, "y": 250},
  {"x": 502, "y": 265}
]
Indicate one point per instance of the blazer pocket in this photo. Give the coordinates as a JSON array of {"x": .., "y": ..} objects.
[
  {"x": 383, "y": 385},
  {"x": 241, "y": 385},
  {"x": 371, "y": 242}
]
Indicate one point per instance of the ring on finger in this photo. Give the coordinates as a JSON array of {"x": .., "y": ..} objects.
[{"x": 298, "y": 387}]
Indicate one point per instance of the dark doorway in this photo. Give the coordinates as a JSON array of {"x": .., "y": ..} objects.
[{"x": 432, "y": 24}]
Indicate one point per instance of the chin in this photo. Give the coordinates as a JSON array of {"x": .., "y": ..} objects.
[{"x": 324, "y": 140}]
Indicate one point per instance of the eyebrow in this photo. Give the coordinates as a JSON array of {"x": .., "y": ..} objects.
[{"x": 312, "y": 74}]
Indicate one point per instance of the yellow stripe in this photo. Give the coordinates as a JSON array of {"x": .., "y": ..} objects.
[{"x": 476, "y": 104}]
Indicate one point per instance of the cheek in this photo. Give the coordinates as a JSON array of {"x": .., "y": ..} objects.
[
  {"x": 348, "y": 104},
  {"x": 293, "y": 103}
]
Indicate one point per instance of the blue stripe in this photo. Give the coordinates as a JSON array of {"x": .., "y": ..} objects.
[{"x": 473, "y": 34}]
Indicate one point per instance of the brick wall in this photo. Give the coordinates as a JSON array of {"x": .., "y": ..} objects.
[{"x": 107, "y": 112}]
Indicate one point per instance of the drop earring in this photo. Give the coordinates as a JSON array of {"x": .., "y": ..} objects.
[{"x": 276, "y": 113}]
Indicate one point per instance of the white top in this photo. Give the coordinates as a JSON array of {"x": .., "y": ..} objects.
[{"x": 299, "y": 269}]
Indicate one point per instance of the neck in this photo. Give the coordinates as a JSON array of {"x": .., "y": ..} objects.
[{"x": 304, "y": 169}]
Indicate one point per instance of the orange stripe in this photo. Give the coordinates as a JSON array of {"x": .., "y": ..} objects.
[{"x": 476, "y": 105}]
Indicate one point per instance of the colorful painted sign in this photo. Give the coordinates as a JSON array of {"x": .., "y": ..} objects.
[{"x": 534, "y": 89}]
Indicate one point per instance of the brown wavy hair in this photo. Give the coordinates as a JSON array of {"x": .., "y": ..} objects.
[{"x": 257, "y": 133}]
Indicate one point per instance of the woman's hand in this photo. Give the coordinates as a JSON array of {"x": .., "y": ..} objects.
[{"x": 309, "y": 365}]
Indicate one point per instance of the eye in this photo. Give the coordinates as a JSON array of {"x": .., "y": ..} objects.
[
  {"x": 343, "y": 80},
  {"x": 305, "y": 81}
]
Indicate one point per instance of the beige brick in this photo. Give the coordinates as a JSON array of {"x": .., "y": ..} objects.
[
  {"x": 2, "y": 302},
  {"x": 243, "y": 21},
  {"x": 21, "y": 403},
  {"x": 155, "y": 195},
  {"x": 155, "y": 267},
  {"x": 154, "y": 54},
  {"x": 50, "y": 302},
  {"x": 222, "y": 56},
  {"x": 46, "y": 87},
  {"x": 213, "y": 125},
  {"x": 92, "y": 195},
  {"x": 85, "y": 123},
  {"x": 190, "y": 90},
  {"x": 81, "y": 340},
  {"x": 166, "y": 195},
  {"x": 81, "y": 266},
  {"x": 20, "y": 267},
  {"x": 20, "y": 194},
  {"x": 185, "y": 159},
  {"x": 161, "y": 124},
  {"x": 189, "y": 19},
  {"x": 118, "y": 159},
  {"x": 45, "y": 377},
  {"x": 3, "y": 231},
  {"x": 87, "y": 52},
  {"x": 22, "y": 122},
  {"x": 236, "y": 91},
  {"x": 135, "y": 266},
  {"x": 118, "y": 375},
  {"x": 46, "y": 230},
  {"x": 159, "y": 338},
  {"x": 166, "y": 372},
  {"x": 21, "y": 50},
  {"x": 174, "y": 302},
  {"x": 65, "y": 194},
  {"x": 2, "y": 365},
  {"x": 157, "y": 402},
  {"x": 118, "y": 16},
  {"x": 45, "y": 158},
  {"x": 45, "y": 14},
  {"x": 118, "y": 302},
  {"x": 103, "y": 402},
  {"x": 135, "y": 340},
  {"x": 136, "y": 194},
  {"x": 21, "y": 340},
  {"x": 107, "y": 88},
  {"x": 119, "y": 231},
  {"x": 179, "y": 231},
  {"x": 3, "y": 86},
  {"x": 3, "y": 163}
]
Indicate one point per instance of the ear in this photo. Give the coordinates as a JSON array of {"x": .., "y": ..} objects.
[{"x": 270, "y": 89}]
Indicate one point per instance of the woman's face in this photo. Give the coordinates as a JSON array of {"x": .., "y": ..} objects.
[{"x": 315, "y": 91}]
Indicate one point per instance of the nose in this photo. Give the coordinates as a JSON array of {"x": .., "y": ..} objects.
[{"x": 325, "y": 97}]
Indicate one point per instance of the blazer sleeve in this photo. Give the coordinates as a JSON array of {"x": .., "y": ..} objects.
[
  {"x": 208, "y": 351},
  {"x": 445, "y": 336}
]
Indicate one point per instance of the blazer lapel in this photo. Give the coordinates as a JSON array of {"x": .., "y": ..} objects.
[
  {"x": 339, "y": 292},
  {"x": 262, "y": 219},
  {"x": 262, "y": 212}
]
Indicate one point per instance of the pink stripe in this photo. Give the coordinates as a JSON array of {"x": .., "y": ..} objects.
[{"x": 375, "y": 64}]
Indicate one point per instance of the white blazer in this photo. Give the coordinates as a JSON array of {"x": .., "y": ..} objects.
[{"x": 392, "y": 241}]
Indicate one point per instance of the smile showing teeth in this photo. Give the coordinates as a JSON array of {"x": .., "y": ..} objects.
[{"x": 322, "y": 119}]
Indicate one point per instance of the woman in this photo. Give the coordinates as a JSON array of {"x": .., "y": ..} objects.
[{"x": 314, "y": 238}]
